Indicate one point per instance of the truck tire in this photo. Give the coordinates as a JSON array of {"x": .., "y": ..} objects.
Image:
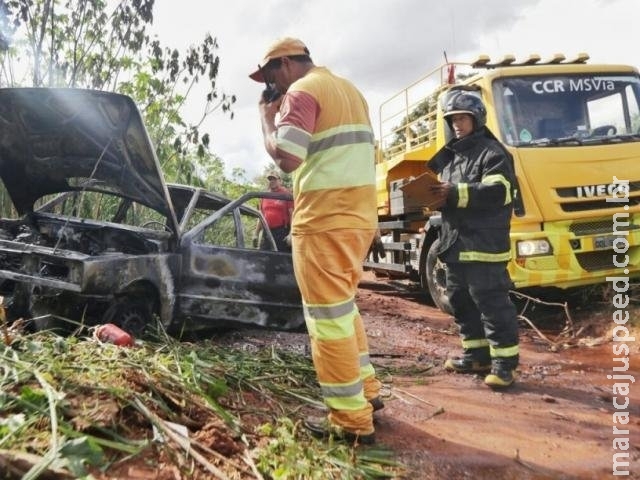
[{"x": 436, "y": 273}]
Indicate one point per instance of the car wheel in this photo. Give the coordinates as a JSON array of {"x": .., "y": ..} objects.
[
  {"x": 436, "y": 281},
  {"x": 134, "y": 316}
]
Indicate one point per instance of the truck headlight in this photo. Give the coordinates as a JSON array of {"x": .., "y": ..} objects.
[{"x": 530, "y": 248}]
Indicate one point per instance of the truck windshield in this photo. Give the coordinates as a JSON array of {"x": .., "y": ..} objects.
[{"x": 574, "y": 109}]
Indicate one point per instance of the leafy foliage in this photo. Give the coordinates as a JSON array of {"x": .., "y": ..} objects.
[
  {"x": 78, "y": 405},
  {"x": 107, "y": 46}
]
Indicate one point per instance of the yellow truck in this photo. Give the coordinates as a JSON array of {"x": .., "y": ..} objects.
[{"x": 573, "y": 129}]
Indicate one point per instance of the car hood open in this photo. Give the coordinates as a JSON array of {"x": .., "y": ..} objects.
[{"x": 59, "y": 139}]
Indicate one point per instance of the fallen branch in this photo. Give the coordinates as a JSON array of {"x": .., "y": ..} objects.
[
  {"x": 404, "y": 392},
  {"x": 540, "y": 334},
  {"x": 184, "y": 442},
  {"x": 569, "y": 325},
  {"x": 14, "y": 465},
  {"x": 3, "y": 323},
  {"x": 47, "y": 460},
  {"x": 559, "y": 415}
]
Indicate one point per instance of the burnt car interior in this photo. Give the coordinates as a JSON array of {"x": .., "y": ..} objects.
[
  {"x": 95, "y": 234},
  {"x": 96, "y": 223}
]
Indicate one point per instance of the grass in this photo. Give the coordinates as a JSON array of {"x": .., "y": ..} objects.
[
  {"x": 72, "y": 407},
  {"x": 76, "y": 407}
]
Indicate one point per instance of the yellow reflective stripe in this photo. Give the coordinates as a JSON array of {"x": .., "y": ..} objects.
[
  {"x": 477, "y": 343},
  {"x": 340, "y": 136},
  {"x": 366, "y": 369},
  {"x": 484, "y": 257},
  {"x": 330, "y": 322},
  {"x": 342, "y": 390},
  {"x": 364, "y": 359},
  {"x": 343, "y": 403},
  {"x": 329, "y": 312},
  {"x": 463, "y": 195},
  {"x": 503, "y": 352},
  {"x": 337, "y": 158},
  {"x": 344, "y": 396},
  {"x": 497, "y": 178},
  {"x": 338, "y": 168},
  {"x": 292, "y": 140}
]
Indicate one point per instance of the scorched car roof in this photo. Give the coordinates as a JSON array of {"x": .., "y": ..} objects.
[{"x": 55, "y": 140}]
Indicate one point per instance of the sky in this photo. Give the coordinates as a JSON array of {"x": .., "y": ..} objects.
[{"x": 382, "y": 46}]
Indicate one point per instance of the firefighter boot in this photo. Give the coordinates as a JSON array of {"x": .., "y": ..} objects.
[
  {"x": 321, "y": 428},
  {"x": 476, "y": 360},
  {"x": 503, "y": 373}
]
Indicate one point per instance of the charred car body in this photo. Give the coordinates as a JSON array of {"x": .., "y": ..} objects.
[{"x": 100, "y": 237}]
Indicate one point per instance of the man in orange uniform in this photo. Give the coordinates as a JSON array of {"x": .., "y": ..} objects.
[
  {"x": 324, "y": 134},
  {"x": 277, "y": 214}
]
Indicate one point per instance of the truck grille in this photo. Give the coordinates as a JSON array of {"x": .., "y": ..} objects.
[
  {"x": 598, "y": 227},
  {"x": 594, "y": 261},
  {"x": 594, "y": 203},
  {"x": 600, "y": 259}
]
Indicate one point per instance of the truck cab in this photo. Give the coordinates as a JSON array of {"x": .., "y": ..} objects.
[{"x": 573, "y": 129}]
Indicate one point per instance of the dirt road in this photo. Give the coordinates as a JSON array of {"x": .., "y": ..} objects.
[{"x": 555, "y": 423}]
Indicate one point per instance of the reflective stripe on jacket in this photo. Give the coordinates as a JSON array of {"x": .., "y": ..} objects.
[
  {"x": 334, "y": 186},
  {"x": 477, "y": 214}
]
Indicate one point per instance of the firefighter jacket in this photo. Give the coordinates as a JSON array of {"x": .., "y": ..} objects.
[{"x": 477, "y": 212}]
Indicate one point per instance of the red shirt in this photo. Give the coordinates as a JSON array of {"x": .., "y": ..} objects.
[{"x": 276, "y": 212}]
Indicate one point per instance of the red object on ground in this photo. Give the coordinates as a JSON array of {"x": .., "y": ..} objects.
[{"x": 110, "y": 333}]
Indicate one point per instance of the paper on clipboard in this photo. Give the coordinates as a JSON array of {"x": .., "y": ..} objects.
[{"x": 416, "y": 192}]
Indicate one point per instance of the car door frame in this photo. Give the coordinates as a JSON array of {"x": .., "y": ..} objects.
[{"x": 221, "y": 285}]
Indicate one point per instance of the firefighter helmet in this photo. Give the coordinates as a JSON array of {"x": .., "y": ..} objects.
[{"x": 465, "y": 102}]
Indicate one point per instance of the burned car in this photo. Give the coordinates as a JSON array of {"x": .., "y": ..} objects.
[{"x": 98, "y": 235}]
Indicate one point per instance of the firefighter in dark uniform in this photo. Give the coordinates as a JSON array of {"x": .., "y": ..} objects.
[{"x": 475, "y": 197}]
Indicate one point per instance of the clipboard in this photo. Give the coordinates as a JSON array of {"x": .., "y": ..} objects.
[{"x": 415, "y": 192}]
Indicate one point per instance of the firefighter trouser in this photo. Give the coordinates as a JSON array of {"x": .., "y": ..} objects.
[
  {"x": 479, "y": 297},
  {"x": 328, "y": 268}
]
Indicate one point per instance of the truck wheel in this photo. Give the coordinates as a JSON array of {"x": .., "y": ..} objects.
[{"x": 436, "y": 272}]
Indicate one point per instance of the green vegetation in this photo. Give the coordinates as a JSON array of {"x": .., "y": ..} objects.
[
  {"x": 107, "y": 46},
  {"x": 80, "y": 407}
]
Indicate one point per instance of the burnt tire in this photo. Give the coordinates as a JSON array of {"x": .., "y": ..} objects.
[
  {"x": 436, "y": 279},
  {"x": 132, "y": 315}
]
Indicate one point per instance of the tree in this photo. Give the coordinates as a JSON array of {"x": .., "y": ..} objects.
[{"x": 106, "y": 45}]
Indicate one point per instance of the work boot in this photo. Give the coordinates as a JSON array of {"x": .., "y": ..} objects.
[
  {"x": 501, "y": 376},
  {"x": 321, "y": 428},
  {"x": 503, "y": 371},
  {"x": 376, "y": 403},
  {"x": 467, "y": 365}
]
